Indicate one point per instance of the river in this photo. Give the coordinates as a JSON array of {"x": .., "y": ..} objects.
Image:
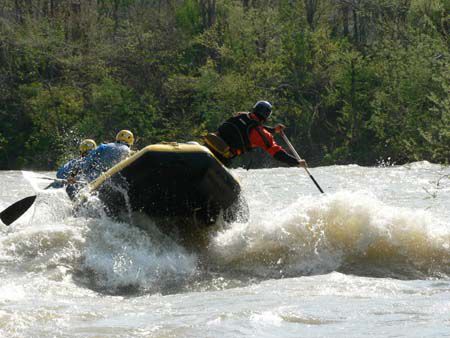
[{"x": 370, "y": 257}]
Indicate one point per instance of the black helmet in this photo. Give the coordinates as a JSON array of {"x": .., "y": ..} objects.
[{"x": 263, "y": 109}]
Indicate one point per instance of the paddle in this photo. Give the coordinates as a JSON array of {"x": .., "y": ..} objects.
[
  {"x": 297, "y": 156},
  {"x": 14, "y": 211}
]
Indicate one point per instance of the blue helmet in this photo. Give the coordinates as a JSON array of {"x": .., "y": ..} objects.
[{"x": 263, "y": 109}]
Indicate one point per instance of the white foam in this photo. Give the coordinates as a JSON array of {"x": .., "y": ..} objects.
[
  {"x": 318, "y": 235},
  {"x": 121, "y": 255}
]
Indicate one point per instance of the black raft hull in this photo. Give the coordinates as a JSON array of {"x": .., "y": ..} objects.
[{"x": 171, "y": 181}]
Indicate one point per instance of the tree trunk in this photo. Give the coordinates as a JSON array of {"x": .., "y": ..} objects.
[
  {"x": 355, "y": 27},
  {"x": 30, "y": 8},
  {"x": 52, "y": 8},
  {"x": 354, "y": 128},
  {"x": 116, "y": 17},
  {"x": 345, "y": 12},
  {"x": 311, "y": 9},
  {"x": 18, "y": 11},
  {"x": 208, "y": 10}
]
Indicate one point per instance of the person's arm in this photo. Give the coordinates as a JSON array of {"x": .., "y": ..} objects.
[
  {"x": 89, "y": 167},
  {"x": 284, "y": 157},
  {"x": 65, "y": 171},
  {"x": 262, "y": 138},
  {"x": 61, "y": 173},
  {"x": 275, "y": 130}
]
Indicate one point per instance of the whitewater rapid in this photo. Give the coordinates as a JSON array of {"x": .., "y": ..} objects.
[{"x": 376, "y": 234}]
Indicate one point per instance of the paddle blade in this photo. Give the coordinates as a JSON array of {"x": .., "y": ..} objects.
[{"x": 16, "y": 210}]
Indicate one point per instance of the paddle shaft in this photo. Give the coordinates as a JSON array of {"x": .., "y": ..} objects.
[{"x": 297, "y": 156}]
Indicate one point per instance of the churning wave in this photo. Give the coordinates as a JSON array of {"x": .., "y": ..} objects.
[
  {"x": 106, "y": 255},
  {"x": 349, "y": 232},
  {"x": 346, "y": 231}
]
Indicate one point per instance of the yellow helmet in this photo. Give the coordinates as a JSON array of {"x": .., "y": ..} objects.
[
  {"x": 125, "y": 136},
  {"x": 87, "y": 145}
]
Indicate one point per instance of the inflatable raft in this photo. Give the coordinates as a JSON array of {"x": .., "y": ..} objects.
[{"x": 172, "y": 181}]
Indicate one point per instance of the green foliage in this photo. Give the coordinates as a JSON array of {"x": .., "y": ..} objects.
[
  {"x": 188, "y": 17},
  {"x": 354, "y": 81},
  {"x": 406, "y": 117}
]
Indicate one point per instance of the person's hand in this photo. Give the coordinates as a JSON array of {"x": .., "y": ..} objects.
[
  {"x": 71, "y": 180},
  {"x": 302, "y": 164},
  {"x": 279, "y": 128}
]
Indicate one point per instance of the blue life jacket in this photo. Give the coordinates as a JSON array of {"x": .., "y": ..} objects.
[
  {"x": 103, "y": 158},
  {"x": 72, "y": 167}
]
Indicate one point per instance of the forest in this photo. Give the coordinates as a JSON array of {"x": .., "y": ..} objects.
[{"x": 354, "y": 81}]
